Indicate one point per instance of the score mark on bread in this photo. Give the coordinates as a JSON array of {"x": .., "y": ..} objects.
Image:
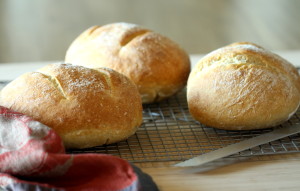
[{"x": 55, "y": 83}]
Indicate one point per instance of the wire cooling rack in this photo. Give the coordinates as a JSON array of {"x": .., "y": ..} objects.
[{"x": 169, "y": 133}]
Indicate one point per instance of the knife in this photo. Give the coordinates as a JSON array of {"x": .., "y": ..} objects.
[{"x": 277, "y": 133}]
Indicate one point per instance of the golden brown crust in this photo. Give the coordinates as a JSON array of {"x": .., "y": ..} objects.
[
  {"x": 243, "y": 86},
  {"x": 158, "y": 66},
  {"x": 86, "y": 107}
]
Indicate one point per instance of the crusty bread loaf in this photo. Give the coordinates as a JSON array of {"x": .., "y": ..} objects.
[
  {"x": 157, "y": 65},
  {"x": 243, "y": 86},
  {"x": 86, "y": 107}
]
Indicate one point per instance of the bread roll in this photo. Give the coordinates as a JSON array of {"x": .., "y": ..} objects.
[
  {"x": 241, "y": 87},
  {"x": 86, "y": 107},
  {"x": 157, "y": 65}
]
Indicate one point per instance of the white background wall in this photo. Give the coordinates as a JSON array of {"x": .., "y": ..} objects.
[{"x": 41, "y": 30}]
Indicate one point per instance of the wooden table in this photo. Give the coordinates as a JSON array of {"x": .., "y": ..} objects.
[
  {"x": 280, "y": 172},
  {"x": 276, "y": 172}
]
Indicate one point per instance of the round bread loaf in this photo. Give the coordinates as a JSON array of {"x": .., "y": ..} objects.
[
  {"x": 243, "y": 86},
  {"x": 86, "y": 107},
  {"x": 157, "y": 65}
]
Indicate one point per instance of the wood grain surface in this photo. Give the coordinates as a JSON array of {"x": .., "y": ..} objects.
[{"x": 282, "y": 173}]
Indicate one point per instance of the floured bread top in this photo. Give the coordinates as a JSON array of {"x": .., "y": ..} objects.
[
  {"x": 249, "y": 54},
  {"x": 86, "y": 107},
  {"x": 157, "y": 65},
  {"x": 243, "y": 86}
]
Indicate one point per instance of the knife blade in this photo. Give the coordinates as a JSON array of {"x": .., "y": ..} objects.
[{"x": 276, "y": 134}]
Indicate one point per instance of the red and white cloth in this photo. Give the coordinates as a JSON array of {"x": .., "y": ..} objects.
[{"x": 32, "y": 157}]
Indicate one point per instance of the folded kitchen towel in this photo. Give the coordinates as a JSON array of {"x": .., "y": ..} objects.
[{"x": 32, "y": 157}]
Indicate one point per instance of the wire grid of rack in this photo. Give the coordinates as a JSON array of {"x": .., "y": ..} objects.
[{"x": 169, "y": 133}]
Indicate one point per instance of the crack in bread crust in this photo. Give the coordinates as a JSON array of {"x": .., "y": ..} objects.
[
  {"x": 93, "y": 29},
  {"x": 128, "y": 38},
  {"x": 107, "y": 77},
  {"x": 55, "y": 82}
]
